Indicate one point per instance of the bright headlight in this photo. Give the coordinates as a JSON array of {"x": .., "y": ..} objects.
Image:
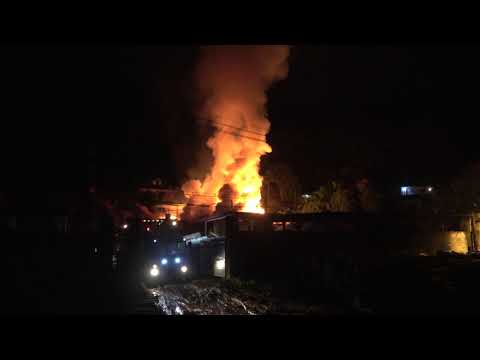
[
  {"x": 220, "y": 264},
  {"x": 154, "y": 272},
  {"x": 177, "y": 260},
  {"x": 164, "y": 261},
  {"x": 184, "y": 269}
]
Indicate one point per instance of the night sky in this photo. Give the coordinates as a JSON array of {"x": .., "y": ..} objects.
[{"x": 401, "y": 113}]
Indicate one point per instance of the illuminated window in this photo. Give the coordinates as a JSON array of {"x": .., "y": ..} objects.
[
  {"x": 291, "y": 225},
  {"x": 277, "y": 226}
]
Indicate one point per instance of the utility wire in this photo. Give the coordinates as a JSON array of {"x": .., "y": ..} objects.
[
  {"x": 239, "y": 135},
  {"x": 201, "y": 205},
  {"x": 237, "y": 128},
  {"x": 196, "y": 194},
  {"x": 242, "y": 136}
]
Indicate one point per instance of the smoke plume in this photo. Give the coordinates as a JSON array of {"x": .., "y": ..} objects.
[{"x": 233, "y": 81}]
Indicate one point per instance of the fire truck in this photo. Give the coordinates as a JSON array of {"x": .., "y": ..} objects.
[
  {"x": 166, "y": 258},
  {"x": 174, "y": 251}
]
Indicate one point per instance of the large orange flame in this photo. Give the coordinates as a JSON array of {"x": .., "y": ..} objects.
[{"x": 235, "y": 79}]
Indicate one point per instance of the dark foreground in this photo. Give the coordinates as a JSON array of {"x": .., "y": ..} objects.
[
  {"x": 445, "y": 285},
  {"x": 218, "y": 297},
  {"x": 42, "y": 284}
]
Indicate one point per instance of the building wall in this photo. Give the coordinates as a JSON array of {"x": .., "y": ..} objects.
[
  {"x": 442, "y": 241},
  {"x": 257, "y": 251}
]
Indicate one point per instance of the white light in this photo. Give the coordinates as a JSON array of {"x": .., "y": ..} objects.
[
  {"x": 148, "y": 229},
  {"x": 174, "y": 223},
  {"x": 125, "y": 226},
  {"x": 177, "y": 260},
  {"x": 154, "y": 266},
  {"x": 306, "y": 196},
  {"x": 155, "y": 240},
  {"x": 154, "y": 272},
  {"x": 429, "y": 189},
  {"x": 220, "y": 264},
  {"x": 96, "y": 250},
  {"x": 178, "y": 311},
  {"x": 184, "y": 269},
  {"x": 164, "y": 261}
]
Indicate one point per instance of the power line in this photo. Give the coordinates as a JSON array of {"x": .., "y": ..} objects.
[
  {"x": 242, "y": 136},
  {"x": 197, "y": 194},
  {"x": 237, "y": 128},
  {"x": 201, "y": 205}
]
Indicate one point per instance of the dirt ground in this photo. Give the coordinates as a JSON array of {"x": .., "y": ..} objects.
[
  {"x": 445, "y": 285},
  {"x": 218, "y": 297}
]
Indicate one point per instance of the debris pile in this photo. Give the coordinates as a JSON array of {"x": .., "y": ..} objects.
[
  {"x": 212, "y": 297},
  {"x": 204, "y": 299}
]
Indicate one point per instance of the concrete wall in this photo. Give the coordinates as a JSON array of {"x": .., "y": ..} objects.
[
  {"x": 457, "y": 242},
  {"x": 203, "y": 258},
  {"x": 477, "y": 230},
  {"x": 442, "y": 241},
  {"x": 360, "y": 240}
]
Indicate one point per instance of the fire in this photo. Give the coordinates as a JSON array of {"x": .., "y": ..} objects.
[
  {"x": 235, "y": 80},
  {"x": 248, "y": 183},
  {"x": 237, "y": 161}
]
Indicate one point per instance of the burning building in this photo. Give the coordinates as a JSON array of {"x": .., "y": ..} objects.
[
  {"x": 158, "y": 203},
  {"x": 234, "y": 81}
]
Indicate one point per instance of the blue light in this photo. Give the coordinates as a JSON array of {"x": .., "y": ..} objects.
[
  {"x": 177, "y": 260},
  {"x": 164, "y": 261}
]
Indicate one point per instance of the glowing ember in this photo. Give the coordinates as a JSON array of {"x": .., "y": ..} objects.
[{"x": 236, "y": 78}]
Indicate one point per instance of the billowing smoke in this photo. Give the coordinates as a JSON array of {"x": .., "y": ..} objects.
[
  {"x": 233, "y": 80},
  {"x": 227, "y": 196}
]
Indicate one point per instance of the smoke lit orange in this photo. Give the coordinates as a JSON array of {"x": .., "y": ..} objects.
[{"x": 235, "y": 79}]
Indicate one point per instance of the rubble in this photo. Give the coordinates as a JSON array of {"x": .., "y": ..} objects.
[{"x": 217, "y": 297}]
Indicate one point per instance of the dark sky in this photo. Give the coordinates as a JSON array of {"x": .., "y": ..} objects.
[{"x": 402, "y": 113}]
